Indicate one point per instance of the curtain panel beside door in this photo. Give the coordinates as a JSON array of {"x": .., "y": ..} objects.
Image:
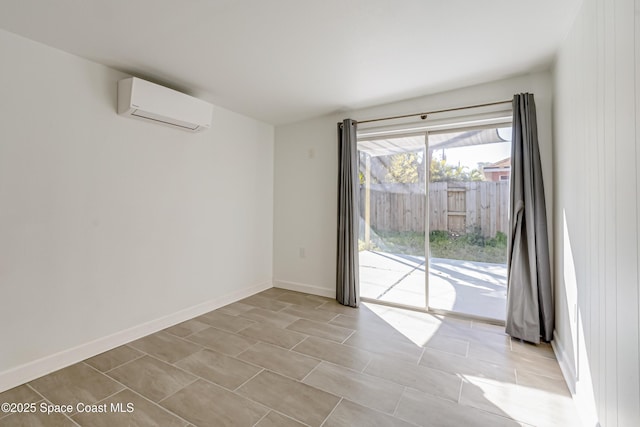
[
  {"x": 530, "y": 311},
  {"x": 347, "y": 280}
]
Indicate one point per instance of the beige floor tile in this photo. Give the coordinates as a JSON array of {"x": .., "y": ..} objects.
[
  {"x": 224, "y": 321},
  {"x": 144, "y": 413},
  {"x": 272, "y": 292},
  {"x": 152, "y": 378},
  {"x": 272, "y": 335},
  {"x": 165, "y": 346},
  {"x": 465, "y": 366},
  {"x": 20, "y": 394},
  {"x": 205, "y": 404},
  {"x": 266, "y": 303},
  {"x": 539, "y": 382},
  {"x": 429, "y": 411},
  {"x": 187, "y": 328},
  {"x": 277, "y": 319},
  {"x": 339, "y": 354},
  {"x": 431, "y": 381},
  {"x": 284, "y": 350},
  {"x": 236, "y": 308},
  {"x": 496, "y": 354},
  {"x": 541, "y": 350},
  {"x": 277, "y": 359},
  {"x": 306, "y": 313},
  {"x": 74, "y": 384},
  {"x": 488, "y": 327},
  {"x": 367, "y": 323},
  {"x": 301, "y": 299},
  {"x": 218, "y": 368},
  {"x": 349, "y": 414},
  {"x": 364, "y": 389},
  {"x": 321, "y": 330},
  {"x": 397, "y": 347},
  {"x": 221, "y": 341},
  {"x": 274, "y": 419},
  {"x": 113, "y": 358},
  {"x": 524, "y": 404},
  {"x": 454, "y": 321},
  {"x": 335, "y": 307},
  {"x": 448, "y": 344},
  {"x": 37, "y": 419},
  {"x": 480, "y": 336},
  {"x": 538, "y": 365},
  {"x": 400, "y": 320},
  {"x": 297, "y": 400}
]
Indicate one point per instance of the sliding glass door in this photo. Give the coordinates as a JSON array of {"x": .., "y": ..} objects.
[{"x": 433, "y": 228}]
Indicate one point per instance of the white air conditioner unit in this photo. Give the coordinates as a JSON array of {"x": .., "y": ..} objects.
[{"x": 143, "y": 100}]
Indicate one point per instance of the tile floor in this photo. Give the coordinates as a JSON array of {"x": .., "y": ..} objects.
[{"x": 282, "y": 358}]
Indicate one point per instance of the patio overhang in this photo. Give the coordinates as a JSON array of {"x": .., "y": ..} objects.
[{"x": 437, "y": 140}]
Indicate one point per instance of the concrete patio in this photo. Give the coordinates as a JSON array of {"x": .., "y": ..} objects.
[{"x": 467, "y": 287}]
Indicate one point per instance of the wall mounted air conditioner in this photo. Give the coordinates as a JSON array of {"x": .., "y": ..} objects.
[{"x": 143, "y": 100}]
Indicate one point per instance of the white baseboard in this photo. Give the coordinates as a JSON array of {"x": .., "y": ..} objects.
[
  {"x": 580, "y": 388},
  {"x": 29, "y": 371},
  {"x": 303, "y": 287},
  {"x": 566, "y": 366}
]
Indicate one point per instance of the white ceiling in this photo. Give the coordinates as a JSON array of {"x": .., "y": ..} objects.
[{"x": 281, "y": 61}]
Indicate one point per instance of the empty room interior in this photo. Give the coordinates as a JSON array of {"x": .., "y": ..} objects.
[{"x": 319, "y": 213}]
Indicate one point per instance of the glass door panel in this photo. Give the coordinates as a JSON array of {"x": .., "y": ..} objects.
[
  {"x": 468, "y": 201},
  {"x": 392, "y": 219}
]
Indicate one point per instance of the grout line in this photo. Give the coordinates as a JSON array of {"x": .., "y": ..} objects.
[
  {"x": 259, "y": 372},
  {"x": 292, "y": 348},
  {"x": 72, "y": 420},
  {"x": 353, "y": 331},
  {"x": 239, "y": 330},
  {"x": 466, "y": 350},
  {"x": 371, "y": 354},
  {"x": 395, "y": 409},
  {"x": 146, "y": 398},
  {"x": 367, "y": 364},
  {"x": 279, "y": 374},
  {"x": 122, "y": 364},
  {"x": 4, "y": 415},
  {"x": 332, "y": 411},
  {"x": 35, "y": 391},
  {"x": 195, "y": 380},
  {"x": 309, "y": 373},
  {"x": 333, "y": 318},
  {"x": 286, "y": 416},
  {"x": 111, "y": 395},
  {"x": 263, "y": 417},
  {"x": 125, "y": 387}
]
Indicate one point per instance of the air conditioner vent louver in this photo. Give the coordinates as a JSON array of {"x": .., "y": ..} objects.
[{"x": 143, "y": 100}]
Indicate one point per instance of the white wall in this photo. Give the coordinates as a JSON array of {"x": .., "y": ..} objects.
[
  {"x": 305, "y": 186},
  {"x": 107, "y": 223},
  {"x": 596, "y": 134}
]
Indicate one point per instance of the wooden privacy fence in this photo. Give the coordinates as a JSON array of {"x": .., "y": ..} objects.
[{"x": 454, "y": 206}]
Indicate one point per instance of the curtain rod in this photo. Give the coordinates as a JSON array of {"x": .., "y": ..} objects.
[{"x": 423, "y": 116}]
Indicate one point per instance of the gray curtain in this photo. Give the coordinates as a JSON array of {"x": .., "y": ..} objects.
[
  {"x": 530, "y": 313},
  {"x": 347, "y": 281}
]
